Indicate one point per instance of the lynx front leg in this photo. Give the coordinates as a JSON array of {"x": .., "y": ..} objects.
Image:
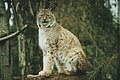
[
  {"x": 48, "y": 61},
  {"x": 59, "y": 67}
]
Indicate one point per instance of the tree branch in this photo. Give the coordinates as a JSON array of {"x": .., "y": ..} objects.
[{"x": 13, "y": 34}]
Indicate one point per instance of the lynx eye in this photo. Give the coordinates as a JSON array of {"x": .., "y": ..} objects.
[
  {"x": 41, "y": 15},
  {"x": 47, "y": 15}
]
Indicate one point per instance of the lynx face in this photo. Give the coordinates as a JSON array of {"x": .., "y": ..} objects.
[{"x": 45, "y": 18}]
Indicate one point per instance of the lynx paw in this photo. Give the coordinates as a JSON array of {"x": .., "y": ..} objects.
[
  {"x": 66, "y": 72},
  {"x": 44, "y": 73},
  {"x": 61, "y": 71}
]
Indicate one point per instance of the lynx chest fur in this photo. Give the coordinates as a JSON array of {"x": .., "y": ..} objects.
[{"x": 59, "y": 46}]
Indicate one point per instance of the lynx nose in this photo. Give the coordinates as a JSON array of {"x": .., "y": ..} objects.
[{"x": 44, "y": 20}]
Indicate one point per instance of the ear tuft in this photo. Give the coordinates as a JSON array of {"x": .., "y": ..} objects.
[
  {"x": 50, "y": 9},
  {"x": 39, "y": 9},
  {"x": 53, "y": 6}
]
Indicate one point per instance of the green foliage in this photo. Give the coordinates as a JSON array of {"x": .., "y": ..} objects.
[
  {"x": 103, "y": 68},
  {"x": 89, "y": 20}
]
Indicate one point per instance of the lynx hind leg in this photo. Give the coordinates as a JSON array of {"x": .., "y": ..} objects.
[
  {"x": 71, "y": 61},
  {"x": 59, "y": 66},
  {"x": 71, "y": 67},
  {"x": 76, "y": 61},
  {"x": 64, "y": 67}
]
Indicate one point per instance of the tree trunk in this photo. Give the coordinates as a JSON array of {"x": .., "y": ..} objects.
[
  {"x": 118, "y": 43},
  {"x": 5, "y": 59}
]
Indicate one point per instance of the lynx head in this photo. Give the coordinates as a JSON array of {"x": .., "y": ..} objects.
[{"x": 45, "y": 18}]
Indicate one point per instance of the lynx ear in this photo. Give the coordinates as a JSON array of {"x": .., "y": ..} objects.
[
  {"x": 40, "y": 9},
  {"x": 53, "y": 7},
  {"x": 50, "y": 9}
]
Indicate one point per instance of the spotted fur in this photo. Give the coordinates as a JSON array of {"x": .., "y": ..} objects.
[{"x": 59, "y": 46}]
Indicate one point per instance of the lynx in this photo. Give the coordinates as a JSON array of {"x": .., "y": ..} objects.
[{"x": 59, "y": 46}]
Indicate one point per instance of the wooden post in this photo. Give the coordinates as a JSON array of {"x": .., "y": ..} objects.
[{"x": 57, "y": 77}]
